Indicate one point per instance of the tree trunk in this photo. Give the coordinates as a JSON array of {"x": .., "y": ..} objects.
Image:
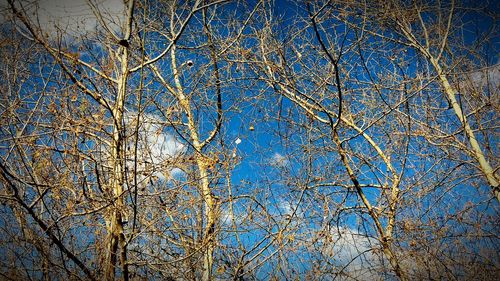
[
  {"x": 484, "y": 165},
  {"x": 116, "y": 236},
  {"x": 209, "y": 232}
]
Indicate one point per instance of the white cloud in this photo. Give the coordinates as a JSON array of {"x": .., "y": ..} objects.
[
  {"x": 486, "y": 77},
  {"x": 288, "y": 212},
  {"x": 227, "y": 217},
  {"x": 158, "y": 151},
  {"x": 354, "y": 250},
  {"x": 72, "y": 17},
  {"x": 285, "y": 207},
  {"x": 278, "y": 160}
]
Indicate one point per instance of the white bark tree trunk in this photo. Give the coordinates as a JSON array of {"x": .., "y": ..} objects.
[{"x": 484, "y": 165}]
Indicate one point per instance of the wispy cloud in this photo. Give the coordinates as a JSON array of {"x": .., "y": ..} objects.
[
  {"x": 278, "y": 160},
  {"x": 229, "y": 217}
]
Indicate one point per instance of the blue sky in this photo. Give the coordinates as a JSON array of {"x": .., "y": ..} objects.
[{"x": 275, "y": 151}]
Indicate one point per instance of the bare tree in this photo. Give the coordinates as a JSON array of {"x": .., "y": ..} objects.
[
  {"x": 204, "y": 140},
  {"x": 106, "y": 112},
  {"x": 436, "y": 31},
  {"x": 358, "y": 88}
]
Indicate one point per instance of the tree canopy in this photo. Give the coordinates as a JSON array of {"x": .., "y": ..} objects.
[{"x": 249, "y": 140}]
